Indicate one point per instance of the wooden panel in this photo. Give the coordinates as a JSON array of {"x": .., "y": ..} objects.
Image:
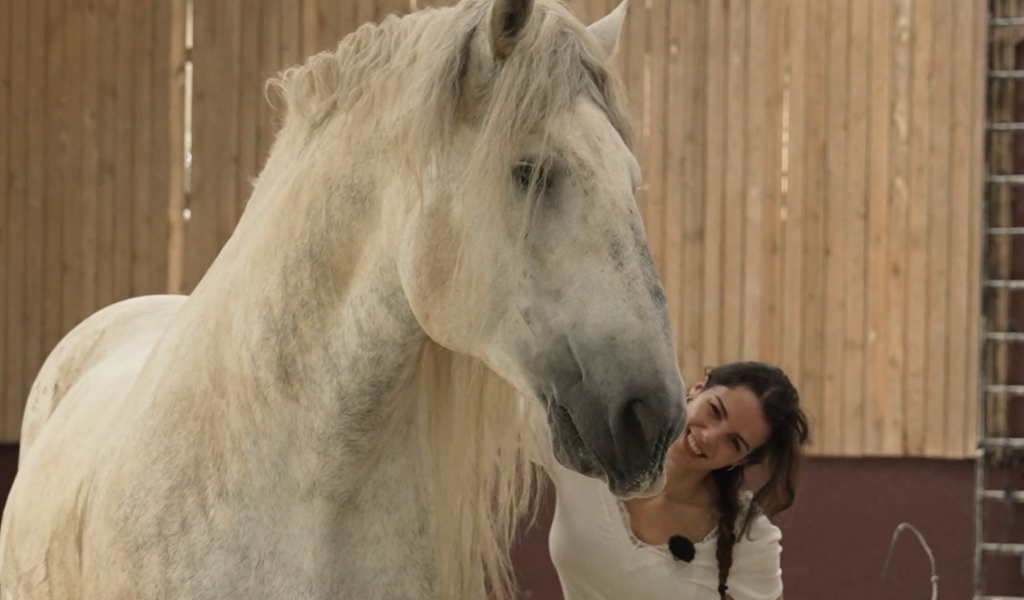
[
  {"x": 35, "y": 194},
  {"x": 811, "y": 181},
  {"x": 794, "y": 171},
  {"x": 770, "y": 152},
  {"x": 963, "y": 348},
  {"x": 714, "y": 182},
  {"x": 85, "y": 203},
  {"x": 916, "y": 308},
  {"x": 938, "y": 249},
  {"x": 655, "y": 118},
  {"x": 837, "y": 201},
  {"x": 9, "y": 346},
  {"x": 810, "y": 376},
  {"x": 687, "y": 134},
  {"x": 855, "y": 230},
  {"x": 18, "y": 364},
  {"x": 877, "y": 390}
]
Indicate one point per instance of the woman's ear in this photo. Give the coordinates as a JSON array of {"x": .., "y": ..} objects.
[{"x": 697, "y": 387}]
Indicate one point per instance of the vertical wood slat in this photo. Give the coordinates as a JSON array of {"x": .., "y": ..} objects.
[
  {"x": 90, "y": 118},
  {"x": 17, "y": 210},
  {"x": 8, "y": 345},
  {"x": 754, "y": 218},
  {"x": 685, "y": 219},
  {"x": 56, "y": 151},
  {"x": 854, "y": 330},
  {"x": 771, "y": 155},
  {"x": 168, "y": 158},
  {"x": 961, "y": 346},
  {"x": 122, "y": 172},
  {"x": 736, "y": 115},
  {"x": 811, "y": 374},
  {"x": 249, "y": 93},
  {"x": 791, "y": 355},
  {"x": 146, "y": 197},
  {"x": 275, "y": 19},
  {"x": 831, "y": 428},
  {"x": 655, "y": 119},
  {"x": 938, "y": 249},
  {"x": 35, "y": 193},
  {"x": 71, "y": 269},
  {"x": 915, "y": 309},
  {"x": 877, "y": 389},
  {"x": 714, "y": 180},
  {"x": 974, "y": 82},
  {"x": 107, "y": 63}
]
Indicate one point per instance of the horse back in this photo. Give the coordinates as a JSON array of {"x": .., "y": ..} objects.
[{"x": 90, "y": 343}]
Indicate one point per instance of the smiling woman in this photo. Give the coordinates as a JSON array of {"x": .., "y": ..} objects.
[{"x": 700, "y": 538}]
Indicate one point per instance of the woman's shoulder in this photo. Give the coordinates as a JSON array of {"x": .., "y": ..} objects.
[
  {"x": 761, "y": 532},
  {"x": 756, "y": 571}
]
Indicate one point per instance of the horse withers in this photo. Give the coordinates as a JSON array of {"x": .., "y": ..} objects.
[{"x": 446, "y": 220}]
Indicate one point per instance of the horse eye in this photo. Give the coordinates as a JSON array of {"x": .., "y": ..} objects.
[
  {"x": 527, "y": 173},
  {"x": 523, "y": 175}
]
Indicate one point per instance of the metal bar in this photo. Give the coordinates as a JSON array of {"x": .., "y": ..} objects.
[
  {"x": 1003, "y": 495},
  {"x": 1005, "y": 284},
  {"x": 1005, "y": 231},
  {"x": 1008, "y": 390},
  {"x": 998, "y": 598},
  {"x": 1005, "y": 126},
  {"x": 983, "y": 386},
  {"x": 1003, "y": 549},
  {"x": 993, "y": 443},
  {"x": 1005, "y": 336},
  {"x": 1006, "y": 22},
  {"x": 1012, "y": 179},
  {"x": 1006, "y": 74}
]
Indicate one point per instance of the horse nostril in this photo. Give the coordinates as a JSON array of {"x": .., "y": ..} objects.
[
  {"x": 637, "y": 428},
  {"x": 639, "y": 419}
]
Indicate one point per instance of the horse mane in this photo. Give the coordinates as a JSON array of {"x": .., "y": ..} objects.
[
  {"x": 422, "y": 58},
  {"x": 410, "y": 78}
]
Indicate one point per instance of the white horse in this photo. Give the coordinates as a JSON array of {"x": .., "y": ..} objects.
[{"x": 446, "y": 220}]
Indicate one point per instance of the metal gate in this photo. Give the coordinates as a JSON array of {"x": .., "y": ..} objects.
[{"x": 999, "y": 487}]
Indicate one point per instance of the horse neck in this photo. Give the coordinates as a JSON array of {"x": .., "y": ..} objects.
[{"x": 304, "y": 307}]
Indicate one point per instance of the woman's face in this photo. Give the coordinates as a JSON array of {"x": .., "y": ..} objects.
[{"x": 724, "y": 425}]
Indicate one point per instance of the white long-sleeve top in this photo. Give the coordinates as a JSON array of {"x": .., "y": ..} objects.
[{"x": 597, "y": 556}]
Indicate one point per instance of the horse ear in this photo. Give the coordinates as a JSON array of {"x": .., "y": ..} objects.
[
  {"x": 608, "y": 28},
  {"x": 508, "y": 20}
]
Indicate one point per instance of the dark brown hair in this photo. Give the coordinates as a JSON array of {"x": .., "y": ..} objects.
[{"x": 780, "y": 454}]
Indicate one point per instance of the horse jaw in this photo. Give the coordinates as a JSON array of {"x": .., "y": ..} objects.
[{"x": 608, "y": 28}]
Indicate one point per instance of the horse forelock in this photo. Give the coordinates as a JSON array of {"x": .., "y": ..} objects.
[{"x": 425, "y": 55}]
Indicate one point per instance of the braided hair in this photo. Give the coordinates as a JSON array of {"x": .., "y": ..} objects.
[{"x": 780, "y": 454}]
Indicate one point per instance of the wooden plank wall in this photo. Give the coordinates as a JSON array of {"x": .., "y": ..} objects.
[
  {"x": 859, "y": 271},
  {"x": 89, "y": 139},
  {"x": 237, "y": 46},
  {"x": 811, "y": 181},
  {"x": 811, "y": 187}
]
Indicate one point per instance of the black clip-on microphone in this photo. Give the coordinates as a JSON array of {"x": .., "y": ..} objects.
[{"x": 681, "y": 548}]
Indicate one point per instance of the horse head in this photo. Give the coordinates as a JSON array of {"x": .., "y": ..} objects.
[{"x": 526, "y": 248}]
